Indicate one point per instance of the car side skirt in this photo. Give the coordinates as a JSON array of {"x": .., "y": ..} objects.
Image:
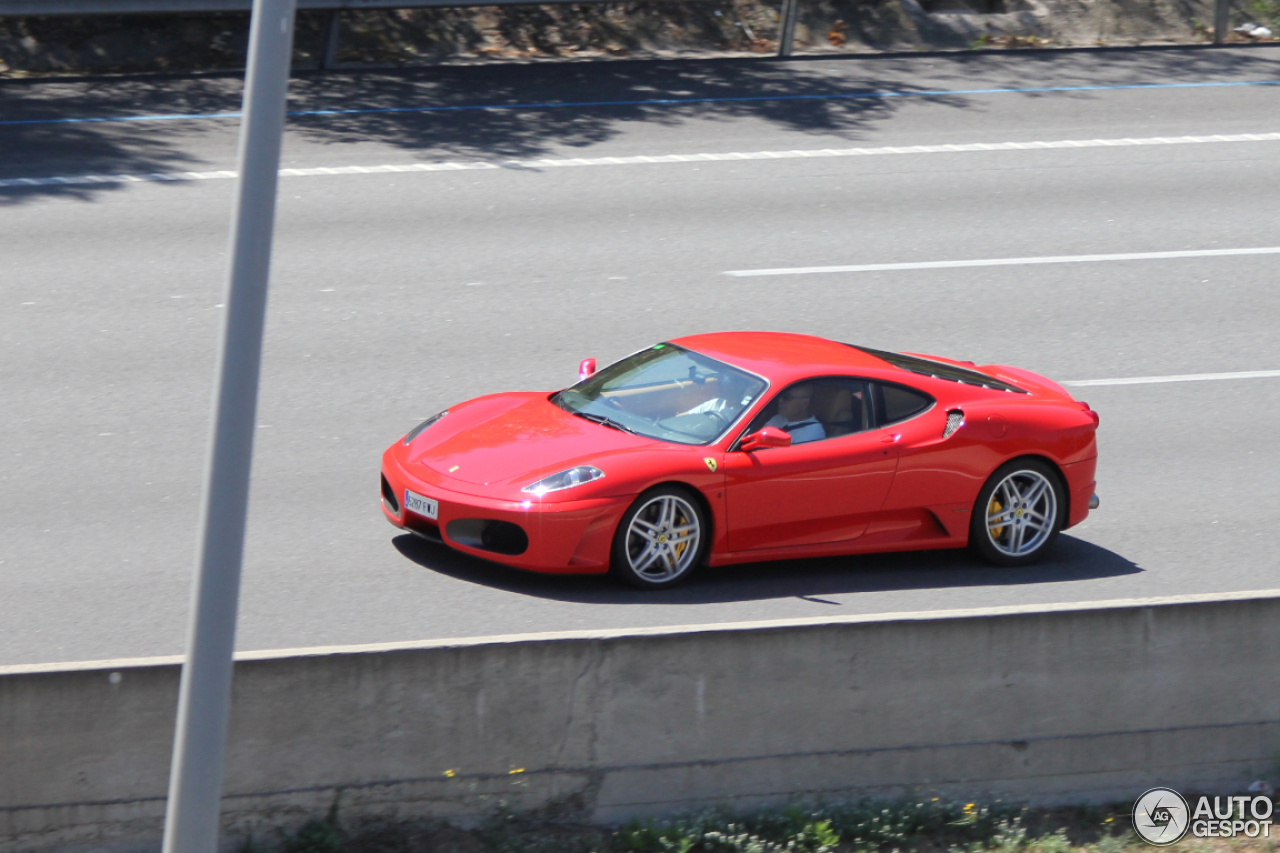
[{"x": 944, "y": 526}]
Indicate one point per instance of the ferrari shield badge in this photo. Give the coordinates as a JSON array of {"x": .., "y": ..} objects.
[{"x": 711, "y": 463}]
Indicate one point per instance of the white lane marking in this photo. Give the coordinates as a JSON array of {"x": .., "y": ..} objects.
[
  {"x": 1004, "y": 262},
  {"x": 1185, "y": 377},
  {"x": 456, "y": 165}
]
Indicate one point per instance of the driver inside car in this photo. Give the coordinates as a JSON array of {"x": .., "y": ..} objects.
[{"x": 794, "y": 417}]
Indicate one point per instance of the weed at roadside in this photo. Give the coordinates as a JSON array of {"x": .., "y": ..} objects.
[{"x": 864, "y": 826}]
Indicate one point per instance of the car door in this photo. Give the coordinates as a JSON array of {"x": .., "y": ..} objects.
[
  {"x": 811, "y": 493},
  {"x": 940, "y": 466}
]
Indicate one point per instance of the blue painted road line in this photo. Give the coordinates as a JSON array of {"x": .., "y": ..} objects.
[{"x": 830, "y": 96}]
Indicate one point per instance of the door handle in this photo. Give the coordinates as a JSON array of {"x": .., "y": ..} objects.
[{"x": 891, "y": 439}]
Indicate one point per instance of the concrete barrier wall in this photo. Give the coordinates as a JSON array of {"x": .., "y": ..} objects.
[{"x": 1051, "y": 704}]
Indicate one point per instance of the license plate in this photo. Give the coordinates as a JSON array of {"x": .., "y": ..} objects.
[{"x": 425, "y": 506}]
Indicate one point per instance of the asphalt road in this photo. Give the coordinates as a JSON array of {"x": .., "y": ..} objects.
[{"x": 397, "y": 293}]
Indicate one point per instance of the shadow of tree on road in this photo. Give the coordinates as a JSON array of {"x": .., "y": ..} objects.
[
  {"x": 582, "y": 104},
  {"x": 55, "y": 147},
  {"x": 807, "y": 95},
  {"x": 1071, "y": 559}
]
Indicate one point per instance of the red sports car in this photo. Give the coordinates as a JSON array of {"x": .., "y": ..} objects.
[{"x": 742, "y": 446}]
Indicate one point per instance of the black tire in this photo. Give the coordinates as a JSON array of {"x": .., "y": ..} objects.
[
  {"x": 1019, "y": 513},
  {"x": 660, "y": 539}
]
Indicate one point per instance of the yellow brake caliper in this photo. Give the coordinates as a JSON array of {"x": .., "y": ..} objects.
[
  {"x": 683, "y": 540},
  {"x": 994, "y": 509}
]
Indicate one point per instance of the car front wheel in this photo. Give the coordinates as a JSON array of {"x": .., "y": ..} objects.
[
  {"x": 1018, "y": 513},
  {"x": 660, "y": 539}
]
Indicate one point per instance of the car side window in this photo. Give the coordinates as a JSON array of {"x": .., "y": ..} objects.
[
  {"x": 897, "y": 403},
  {"x": 818, "y": 409}
]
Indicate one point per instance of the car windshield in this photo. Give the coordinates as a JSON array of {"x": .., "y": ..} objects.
[{"x": 665, "y": 392}]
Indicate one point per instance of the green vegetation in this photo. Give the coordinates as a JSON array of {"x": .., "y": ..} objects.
[
  {"x": 1265, "y": 12},
  {"x": 323, "y": 835},
  {"x": 318, "y": 835},
  {"x": 866, "y": 826}
]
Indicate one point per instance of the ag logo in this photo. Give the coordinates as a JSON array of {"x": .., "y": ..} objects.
[
  {"x": 1161, "y": 817},
  {"x": 711, "y": 463}
]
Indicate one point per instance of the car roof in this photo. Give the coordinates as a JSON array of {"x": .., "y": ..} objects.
[{"x": 783, "y": 357}]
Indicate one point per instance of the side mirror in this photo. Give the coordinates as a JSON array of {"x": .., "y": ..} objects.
[
  {"x": 767, "y": 437},
  {"x": 586, "y": 368}
]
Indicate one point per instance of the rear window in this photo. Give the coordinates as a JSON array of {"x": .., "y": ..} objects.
[
  {"x": 938, "y": 370},
  {"x": 902, "y": 403}
]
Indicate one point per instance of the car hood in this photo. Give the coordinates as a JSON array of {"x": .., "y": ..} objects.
[{"x": 516, "y": 439}]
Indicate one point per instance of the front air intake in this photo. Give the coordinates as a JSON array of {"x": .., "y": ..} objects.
[
  {"x": 389, "y": 496},
  {"x": 955, "y": 420},
  {"x": 500, "y": 537}
]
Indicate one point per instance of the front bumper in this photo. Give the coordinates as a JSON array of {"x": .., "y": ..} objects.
[{"x": 564, "y": 537}]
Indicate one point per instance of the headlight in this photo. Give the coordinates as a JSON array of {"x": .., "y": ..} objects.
[
  {"x": 416, "y": 431},
  {"x": 564, "y": 480}
]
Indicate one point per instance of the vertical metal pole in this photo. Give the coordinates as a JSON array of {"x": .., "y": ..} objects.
[
  {"x": 332, "y": 28},
  {"x": 1220, "y": 21},
  {"x": 195, "y": 782},
  {"x": 788, "y": 35}
]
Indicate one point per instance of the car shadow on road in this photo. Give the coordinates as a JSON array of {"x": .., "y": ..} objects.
[{"x": 1071, "y": 559}]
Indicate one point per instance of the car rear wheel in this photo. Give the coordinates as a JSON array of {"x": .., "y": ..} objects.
[
  {"x": 660, "y": 539},
  {"x": 1018, "y": 513}
]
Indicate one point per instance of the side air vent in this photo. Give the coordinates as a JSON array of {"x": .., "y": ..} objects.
[{"x": 955, "y": 420}]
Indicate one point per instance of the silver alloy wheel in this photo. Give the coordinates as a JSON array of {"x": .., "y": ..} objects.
[
  {"x": 662, "y": 539},
  {"x": 1022, "y": 512}
]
